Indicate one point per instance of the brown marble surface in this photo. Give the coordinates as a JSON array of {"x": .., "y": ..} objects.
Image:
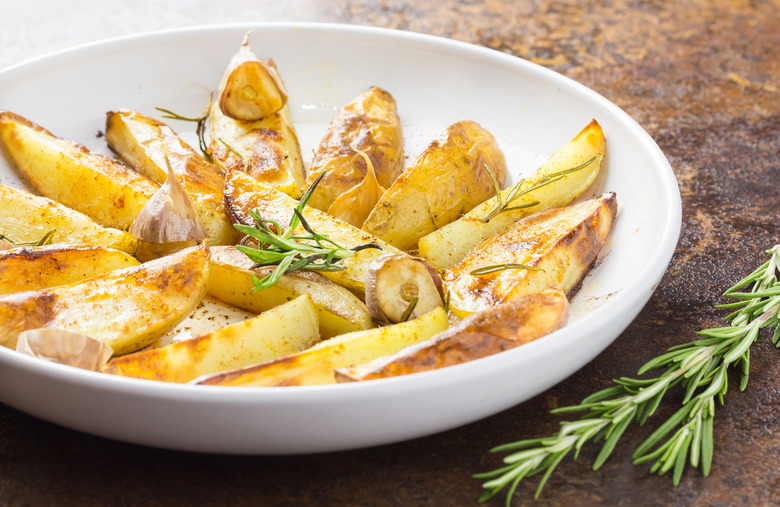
[{"x": 701, "y": 76}]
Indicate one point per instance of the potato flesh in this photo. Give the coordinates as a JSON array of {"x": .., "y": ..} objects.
[
  {"x": 32, "y": 268},
  {"x": 447, "y": 180},
  {"x": 26, "y": 218},
  {"x": 316, "y": 365},
  {"x": 450, "y": 244},
  {"x": 369, "y": 123},
  {"x": 143, "y": 143},
  {"x": 286, "y": 329},
  {"x": 127, "y": 308},
  {"x": 80, "y": 165},
  {"x": 561, "y": 242},
  {"x": 108, "y": 192},
  {"x": 243, "y": 193},
  {"x": 266, "y": 149},
  {"x": 339, "y": 311},
  {"x": 492, "y": 330}
]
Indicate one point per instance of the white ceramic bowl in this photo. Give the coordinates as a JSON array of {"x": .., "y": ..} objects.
[{"x": 531, "y": 110}]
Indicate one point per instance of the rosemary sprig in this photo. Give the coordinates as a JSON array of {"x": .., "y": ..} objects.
[
  {"x": 502, "y": 267},
  {"x": 502, "y": 205},
  {"x": 45, "y": 239},
  {"x": 699, "y": 367},
  {"x": 410, "y": 308},
  {"x": 200, "y": 128},
  {"x": 232, "y": 149},
  {"x": 289, "y": 251}
]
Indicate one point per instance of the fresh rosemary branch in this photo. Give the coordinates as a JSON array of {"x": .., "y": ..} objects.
[
  {"x": 700, "y": 368},
  {"x": 200, "y": 128},
  {"x": 289, "y": 251},
  {"x": 503, "y": 205}
]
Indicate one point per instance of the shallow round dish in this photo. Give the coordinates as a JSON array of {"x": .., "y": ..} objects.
[{"x": 531, "y": 110}]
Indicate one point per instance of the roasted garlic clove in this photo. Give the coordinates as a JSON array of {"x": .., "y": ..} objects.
[
  {"x": 251, "y": 88},
  {"x": 400, "y": 287},
  {"x": 168, "y": 222},
  {"x": 64, "y": 347},
  {"x": 354, "y": 205}
]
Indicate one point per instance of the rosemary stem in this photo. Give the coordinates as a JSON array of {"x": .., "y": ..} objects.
[{"x": 700, "y": 367}]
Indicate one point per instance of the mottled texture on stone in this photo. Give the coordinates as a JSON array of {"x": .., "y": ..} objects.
[{"x": 702, "y": 76}]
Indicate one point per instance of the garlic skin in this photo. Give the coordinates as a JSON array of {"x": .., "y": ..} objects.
[
  {"x": 169, "y": 216},
  {"x": 251, "y": 88},
  {"x": 168, "y": 222},
  {"x": 354, "y": 205},
  {"x": 64, "y": 347}
]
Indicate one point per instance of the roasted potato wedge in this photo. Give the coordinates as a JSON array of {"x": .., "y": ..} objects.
[
  {"x": 105, "y": 190},
  {"x": 266, "y": 149},
  {"x": 339, "y": 311},
  {"x": 448, "y": 179},
  {"x": 286, "y": 329},
  {"x": 549, "y": 187},
  {"x": 27, "y": 218},
  {"x": 243, "y": 193},
  {"x": 127, "y": 308},
  {"x": 143, "y": 143},
  {"x": 489, "y": 331},
  {"x": 315, "y": 365},
  {"x": 32, "y": 268},
  {"x": 558, "y": 246},
  {"x": 369, "y": 123}
]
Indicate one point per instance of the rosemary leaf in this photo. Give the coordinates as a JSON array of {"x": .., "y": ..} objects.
[
  {"x": 700, "y": 367},
  {"x": 409, "y": 309},
  {"x": 200, "y": 128},
  {"x": 502, "y": 267},
  {"x": 45, "y": 239},
  {"x": 289, "y": 251},
  {"x": 502, "y": 205}
]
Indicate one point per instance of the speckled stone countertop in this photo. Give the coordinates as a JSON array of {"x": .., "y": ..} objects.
[{"x": 701, "y": 76}]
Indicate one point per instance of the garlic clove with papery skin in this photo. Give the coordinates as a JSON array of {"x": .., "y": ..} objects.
[
  {"x": 64, "y": 347},
  {"x": 354, "y": 205},
  {"x": 168, "y": 222}
]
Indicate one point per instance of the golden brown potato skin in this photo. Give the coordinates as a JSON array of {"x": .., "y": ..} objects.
[
  {"x": 143, "y": 143},
  {"x": 339, "y": 311},
  {"x": 266, "y": 149},
  {"x": 450, "y": 244},
  {"x": 31, "y": 268},
  {"x": 369, "y": 123},
  {"x": 493, "y": 330},
  {"x": 127, "y": 308},
  {"x": 243, "y": 193},
  {"x": 107, "y": 191},
  {"x": 26, "y": 218},
  {"x": 286, "y": 329},
  {"x": 561, "y": 242},
  {"x": 316, "y": 365},
  {"x": 448, "y": 179}
]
